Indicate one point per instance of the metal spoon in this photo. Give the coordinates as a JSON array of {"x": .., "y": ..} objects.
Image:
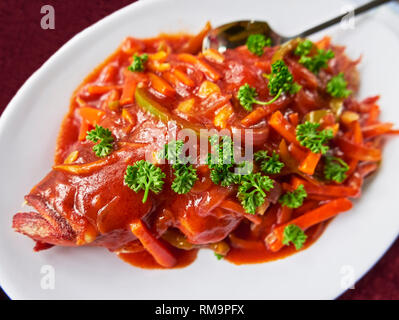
[{"x": 235, "y": 34}]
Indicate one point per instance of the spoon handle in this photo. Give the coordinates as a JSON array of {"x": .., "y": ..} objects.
[{"x": 359, "y": 10}]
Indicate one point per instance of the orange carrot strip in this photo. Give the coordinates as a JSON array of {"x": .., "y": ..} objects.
[
  {"x": 195, "y": 43},
  {"x": 161, "y": 85},
  {"x": 171, "y": 78},
  {"x": 112, "y": 100},
  {"x": 352, "y": 167},
  {"x": 84, "y": 127},
  {"x": 128, "y": 91},
  {"x": 94, "y": 89},
  {"x": 371, "y": 100},
  {"x": 308, "y": 165},
  {"x": 261, "y": 112},
  {"x": 153, "y": 245},
  {"x": 183, "y": 78},
  {"x": 176, "y": 77},
  {"x": 356, "y": 151},
  {"x": 294, "y": 119},
  {"x": 376, "y": 129},
  {"x": 331, "y": 191},
  {"x": 274, "y": 240},
  {"x": 283, "y": 127},
  {"x": 297, "y": 152},
  {"x": 109, "y": 73},
  {"x": 254, "y": 117},
  {"x": 307, "y": 206},
  {"x": 201, "y": 65},
  {"x": 91, "y": 115},
  {"x": 324, "y": 42},
  {"x": 284, "y": 214},
  {"x": 374, "y": 113},
  {"x": 357, "y": 133},
  {"x": 213, "y": 55},
  {"x": 292, "y": 164}
]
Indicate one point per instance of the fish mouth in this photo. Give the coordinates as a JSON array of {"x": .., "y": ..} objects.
[{"x": 44, "y": 226}]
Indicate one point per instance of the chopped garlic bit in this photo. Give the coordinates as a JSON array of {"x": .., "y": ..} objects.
[
  {"x": 223, "y": 116},
  {"x": 207, "y": 88},
  {"x": 186, "y": 105}
]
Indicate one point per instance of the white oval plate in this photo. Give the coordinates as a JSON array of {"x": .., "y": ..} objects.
[{"x": 28, "y": 128}]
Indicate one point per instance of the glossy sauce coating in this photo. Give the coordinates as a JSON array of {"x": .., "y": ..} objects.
[{"x": 85, "y": 201}]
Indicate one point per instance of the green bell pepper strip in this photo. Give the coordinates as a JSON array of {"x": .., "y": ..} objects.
[{"x": 151, "y": 106}]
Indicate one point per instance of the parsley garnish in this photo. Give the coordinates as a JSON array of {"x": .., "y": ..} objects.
[
  {"x": 335, "y": 169},
  {"x": 172, "y": 151},
  {"x": 313, "y": 139},
  {"x": 269, "y": 164},
  {"x": 256, "y": 43},
  {"x": 294, "y": 234},
  {"x": 221, "y": 162},
  {"x": 336, "y": 87},
  {"x": 145, "y": 176},
  {"x": 104, "y": 138},
  {"x": 252, "y": 186},
  {"x": 295, "y": 198},
  {"x": 316, "y": 62},
  {"x": 185, "y": 174},
  {"x": 252, "y": 191},
  {"x": 281, "y": 79},
  {"x": 138, "y": 62},
  {"x": 219, "y": 256},
  {"x": 246, "y": 95},
  {"x": 303, "y": 48}
]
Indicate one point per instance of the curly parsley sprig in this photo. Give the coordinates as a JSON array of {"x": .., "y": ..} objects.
[
  {"x": 246, "y": 96},
  {"x": 252, "y": 191},
  {"x": 292, "y": 233},
  {"x": 185, "y": 177},
  {"x": 172, "y": 151},
  {"x": 337, "y": 87},
  {"x": 256, "y": 43},
  {"x": 335, "y": 169},
  {"x": 185, "y": 174},
  {"x": 269, "y": 164},
  {"x": 310, "y": 137},
  {"x": 145, "y": 176},
  {"x": 103, "y": 139},
  {"x": 221, "y": 161},
  {"x": 303, "y": 48},
  {"x": 315, "y": 62},
  {"x": 281, "y": 80},
  {"x": 138, "y": 63},
  {"x": 252, "y": 187},
  {"x": 295, "y": 198}
]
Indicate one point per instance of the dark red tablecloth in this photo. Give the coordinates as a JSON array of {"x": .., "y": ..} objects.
[{"x": 25, "y": 46}]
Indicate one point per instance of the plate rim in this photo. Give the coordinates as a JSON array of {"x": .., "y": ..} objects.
[{"x": 68, "y": 46}]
